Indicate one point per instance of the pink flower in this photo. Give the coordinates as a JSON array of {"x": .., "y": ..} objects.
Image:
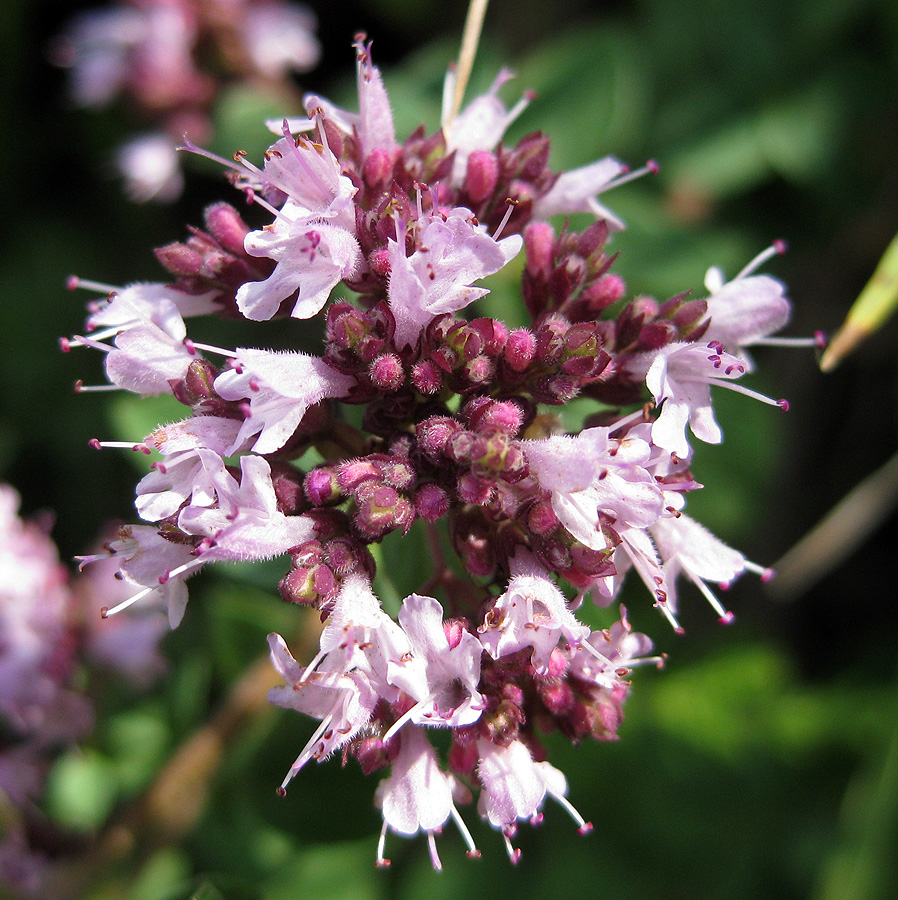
[
  {"x": 452, "y": 252},
  {"x": 35, "y": 608},
  {"x": 374, "y": 121},
  {"x": 514, "y": 786},
  {"x": 246, "y": 523},
  {"x": 280, "y": 388},
  {"x": 441, "y": 677},
  {"x": 280, "y": 38},
  {"x": 578, "y": 190},
  {"x": 183, "y": 474},
  {"x": 680, "y": 377},
  {"x": 480, "y": 125},
  {"x": 417, "y": 794},
  {"x": 688, "y": 548},
  {"x": 746, "y": 310},
  {"x": 150, "y": 166},
  {"x": 312, "y": 258},
  {"x": 342, "y": 701},
  {"x": 531, "y": 613},
  {"x": 591, "y": 474}
]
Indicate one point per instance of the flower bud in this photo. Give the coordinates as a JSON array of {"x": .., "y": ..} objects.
[
  {"x": 386, "y": 372},
  {"x": 379, "y": 261},
  {"x": 378, "y": 168},
  {"x": 322, "y": 486},
  {"x": 603, "y": 292},
  {"x": 227, "y": 227},
  {"x": 539, "y": 242},
  {"x": 431, "y": 502},
  {"x": 482, "y": 175},
  {"x": 558, "y": 698},
  {"x": 472, "y": 489},
  {"x": 427, "y": 378},
  {"x": 520, "y": 349},
  {"x": 434, "y": 433},
  {"x": 287, "y": 481}
]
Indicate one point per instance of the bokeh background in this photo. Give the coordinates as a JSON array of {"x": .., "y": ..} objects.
[{"x": 763, "y": 761}]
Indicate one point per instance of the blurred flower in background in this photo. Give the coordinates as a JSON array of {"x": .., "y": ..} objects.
[
  {"x": 168, "y": 61},
  {"x": 50, "y": 630}
]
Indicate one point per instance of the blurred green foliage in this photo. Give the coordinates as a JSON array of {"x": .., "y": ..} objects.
[{"x": 762, "y": 762}]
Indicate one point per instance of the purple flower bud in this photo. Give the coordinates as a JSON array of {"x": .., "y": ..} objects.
[
  {"x": 386, "y": 372},
  {"x": 592, "y": 240},
  {"x": 539, "y": 241},
  {"x": 345, "y": 555},
  {"x": 431, "y": 502},
  {"x": 381, "y": 509},
  {"x": 322, "y": 486},
  {"x": 558, "y": 664},
  {"x": 478, "y": 370},
  {"x": 558, "y": 698},
  {"x": 482, "y": 175},
  {"x": 603, "y": 292},
  {"x": 472, "y": 539},
  {"x": 463, "y": 755},
  {"x": 227, "y": 227},
  {"x": 199, "y": 378},
  {"x": 472, "y": 489},
  {"x": 287, "y": 481},
  {"x": 459, "y": 446},
  {"x": 520, "y": 349},
  {"x": 550, "y": 341},
  {"x": 372, "y": 754},
  {"x": 541, "y": 519},
  {"x": 378, "y": 168},
  {"x": 492, "y": 332},
  {"x": 427, "y": 378},
  {"x": 354, "y": 472},
  {"x": 434, "y": 433},
  {"x": 656, "y": 335},
  {"x": 179, "y": 259},
  {"x": 379, "y": 261},
  {"x": 454, "y": 629},
  {"x": 307, "y": 585}
]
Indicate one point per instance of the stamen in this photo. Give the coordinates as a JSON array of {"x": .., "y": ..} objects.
[
  {"x": 119, "y": 445},
  {"x": 434, "y": 856},
  {"x": 511, "y": 204},
  {"x": 583, "y": 826},
  {"x": 665, "y": 609},
  {"x": 382, "y": 862},
  {"x": 473, "y": 852},
  {"x": 650, "y": 168},
  {"x": 105, "y": 612},
  {"x": 192, "y": 346},
  {"x": 190, "y": 147},
  {"x": 253, "y": 197},
  {"x": 813, "y": 342},
  {"x": 73, "y": 282},
  {"x": 765, "y": 572},
  {"x": 82, "y": 388},
  {"x": 514, "y": 854},
  {"x": 775, "y": 249},
  {"x": 741, "y": 389},
  {"x": 306, "y": 753},
  {"x": 724, "y": 616},
  {"x": 405, "y": 717}
]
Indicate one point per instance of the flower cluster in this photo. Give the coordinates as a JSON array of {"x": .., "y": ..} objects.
[
  {"x": 49, "y": 627},
  {"x": 456, "y": 427},
  {"x": 171, "y": 59}
]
